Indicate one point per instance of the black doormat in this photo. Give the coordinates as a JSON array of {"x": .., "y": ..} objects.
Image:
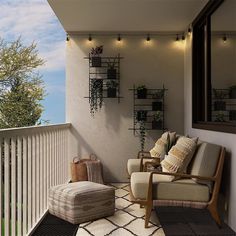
[
  {"x": 182, "y": 221},
  {"x": 54, "y": 226}
]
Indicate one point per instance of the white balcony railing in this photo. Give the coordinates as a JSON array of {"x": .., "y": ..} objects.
[{"x": 32, "y": 160}]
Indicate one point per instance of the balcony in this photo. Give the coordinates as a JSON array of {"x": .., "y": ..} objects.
[{"x": 32, "y": 160}]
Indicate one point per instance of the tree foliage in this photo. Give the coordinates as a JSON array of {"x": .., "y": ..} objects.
[{"x": 21, "y": 88}]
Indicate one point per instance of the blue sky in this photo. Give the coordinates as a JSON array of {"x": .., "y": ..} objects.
[{"x": 34, "y": 20}]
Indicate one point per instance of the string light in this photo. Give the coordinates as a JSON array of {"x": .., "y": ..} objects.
[
  {"x": 224, "y": 38},
  {"x": 189, "y": 31},
  {"x": 119, "y": 38},
  {"x": 177, "y": 37}
]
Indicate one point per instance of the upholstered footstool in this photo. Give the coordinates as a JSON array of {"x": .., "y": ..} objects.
[{"x": 81, "y": 201}]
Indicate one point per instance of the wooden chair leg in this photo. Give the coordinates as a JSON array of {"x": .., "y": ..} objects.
[
  {"x": 148, "y": 214},
  {"x": 214, "y": 213}
]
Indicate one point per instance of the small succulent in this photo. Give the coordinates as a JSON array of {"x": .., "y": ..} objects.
[
  {"x": 219, "y": 94},
  {"x": 158, "y": 94},
  {"x": 141, "y": 87},
  {"x": 111, "y": 84},
  {"x": 220, "y": 117},
  {"x": 157, "y": 116},
  {"x": 111, "y": 62}
]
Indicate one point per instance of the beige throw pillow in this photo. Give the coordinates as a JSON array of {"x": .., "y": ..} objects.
[
  {"x": 179, "y": 155},
  {"x": 161, "y": 146}
]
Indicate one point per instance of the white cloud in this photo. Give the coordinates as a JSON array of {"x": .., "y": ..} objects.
[{"x": 34, "y": 20}]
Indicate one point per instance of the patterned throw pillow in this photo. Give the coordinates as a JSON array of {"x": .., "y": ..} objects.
[
  {"x": 179, "y": 155},
  {"x": 161, "y": 146}
]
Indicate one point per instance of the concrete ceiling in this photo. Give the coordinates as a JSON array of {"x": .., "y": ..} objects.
[
  {"x": 224, "y": 18},
  {"x": 126, "y": 15}
]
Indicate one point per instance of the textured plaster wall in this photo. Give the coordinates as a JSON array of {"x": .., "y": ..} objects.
[
  {"x": 228, "y": 190},
  {"x": 107, "y": 135}
]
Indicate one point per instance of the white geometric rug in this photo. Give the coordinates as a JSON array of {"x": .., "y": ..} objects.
[{"x": 128, "y": 219}]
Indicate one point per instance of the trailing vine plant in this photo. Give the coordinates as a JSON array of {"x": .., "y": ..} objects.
[
  {"x": 96, "y": 96},
  {"x": 142, "y": 134}
]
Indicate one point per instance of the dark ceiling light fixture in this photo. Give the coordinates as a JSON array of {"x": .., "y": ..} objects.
[
  {"x": 119, "y": 38},
  {"x": 177, "y": 37},
  {"x": 224, "y": 38},
  {"x": 189, "y": 30},
  {"x": 183, "y": 37},
  {"x": 67, "y": 38},
  {"x": 90, "y": 38},
  {"x": 148, "y": 38}
]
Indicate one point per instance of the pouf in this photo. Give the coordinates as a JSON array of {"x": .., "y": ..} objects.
[{"x": 81, "y": 201}]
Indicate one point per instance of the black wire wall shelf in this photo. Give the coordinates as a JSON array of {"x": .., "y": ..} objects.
[{"x": 145, "y": 105}]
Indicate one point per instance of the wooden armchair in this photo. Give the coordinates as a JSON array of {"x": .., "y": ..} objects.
[
  {"x": 141, "y": 163},
  {"x": 198, "y": 189}
]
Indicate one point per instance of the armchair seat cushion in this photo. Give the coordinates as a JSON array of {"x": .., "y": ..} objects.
[
  {"x": 164, "y": 188},
  {"x": 133, "y": 165}
]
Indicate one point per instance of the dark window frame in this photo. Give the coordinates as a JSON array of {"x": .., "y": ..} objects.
[{"x": 201, "y": 72}]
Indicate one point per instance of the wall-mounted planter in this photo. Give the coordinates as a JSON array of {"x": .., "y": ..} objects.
[
  {"x": 96, "y": 61},
  {"x": 142, "y": 93},
  {"x": 111, "y": 73},
  {"x": 156, "y": 124},
  {"x": 141, "y": 115},
  {"x": 111, "y": 92},
  {"x": 157, "y": 106},
  {"x": 232, "y": 93},
  {"x": 219, "y": 105},
  {"x": 232, "y": 115}
]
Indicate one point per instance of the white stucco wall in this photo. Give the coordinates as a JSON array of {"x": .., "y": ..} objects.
[
  {"x": 107, "y": 135},
  {"x": 226, "y": 139}
]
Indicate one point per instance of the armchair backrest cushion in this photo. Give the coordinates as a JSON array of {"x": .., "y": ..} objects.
[{"x": 205, "y": 160}]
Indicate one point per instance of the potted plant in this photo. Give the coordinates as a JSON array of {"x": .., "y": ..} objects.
[
  {"x": 157, "y": 121},
  {"x": 111, "y": 88},
  {"x": 232, "y": 92},
  {"x": 219, "y": 105},
  {"x": 141, "y": 92},
  {"x": 95, "y": 56},
  {"x": 96, "y": 95},
  {"x": 142, "y": 134},
  {"x": 159, "y": 94},
  {"x": 220, "y": 117},
  {"x": 111, "y": 71},
  {"x": 141, "y": 115}
]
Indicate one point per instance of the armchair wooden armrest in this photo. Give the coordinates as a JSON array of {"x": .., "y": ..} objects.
[
  {"x": 143, "y": 154},
  {"x": 186, "y": 176}
]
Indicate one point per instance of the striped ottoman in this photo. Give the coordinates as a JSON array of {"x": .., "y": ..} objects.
[{"x": 81, "y": 201}]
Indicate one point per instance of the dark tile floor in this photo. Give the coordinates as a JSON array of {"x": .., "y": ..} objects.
[
  {"x": 179, "y": 221},
  {"x": 53, "y": 226}
]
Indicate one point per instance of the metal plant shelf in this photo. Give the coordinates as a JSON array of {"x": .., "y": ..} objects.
[
  {"x": 138, "y": 106},
  {"x": 101, "y": 73}
]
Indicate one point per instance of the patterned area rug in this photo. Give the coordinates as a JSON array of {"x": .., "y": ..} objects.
[{"x": 128, "y": 219}]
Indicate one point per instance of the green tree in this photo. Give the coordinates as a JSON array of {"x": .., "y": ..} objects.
[{"x": 21, "y": 87}]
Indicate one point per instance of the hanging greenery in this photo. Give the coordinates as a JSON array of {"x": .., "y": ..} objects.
[
  {"x": 142, "y": 134},
  {"x": 96, "y": 96}
]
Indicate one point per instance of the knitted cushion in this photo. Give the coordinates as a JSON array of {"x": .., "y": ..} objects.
[
  {"x": 162, "y": 145},
  {"x": 179, "y": 155}
]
